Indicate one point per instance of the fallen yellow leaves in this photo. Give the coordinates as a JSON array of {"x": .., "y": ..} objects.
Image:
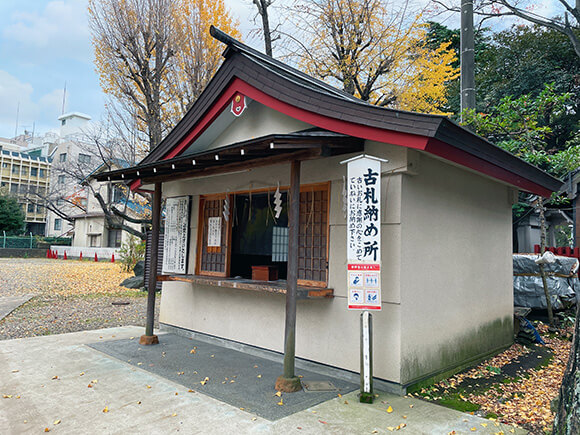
[
  {"x": 68, "y": 278},
  {"x": 526, "y": 400},
  {"x": 106, "y": 409},
  {"x": 204, "y": 381},
  {"x": 390, "y": 409}
]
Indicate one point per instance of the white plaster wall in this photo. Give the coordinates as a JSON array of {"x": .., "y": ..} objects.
[
  {"x": 456, "y": 268},
  {"x": 326, "y": 331},
  {"x": 89, "y": 225},
  {"x": 256, "y": 121}
]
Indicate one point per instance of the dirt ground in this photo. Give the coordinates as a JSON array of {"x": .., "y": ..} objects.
[{"x": 69, "y": 296}]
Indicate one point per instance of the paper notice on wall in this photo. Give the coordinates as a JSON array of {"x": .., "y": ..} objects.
[
  {"x": 214, "y": 232},
  {"x": 175, "y": 246}
]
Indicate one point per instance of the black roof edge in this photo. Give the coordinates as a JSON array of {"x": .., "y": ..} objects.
[{"x": 527, "y": 170}]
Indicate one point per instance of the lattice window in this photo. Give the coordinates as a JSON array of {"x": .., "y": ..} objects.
[
  {"x": 313, "y": 236},
  {"x": 213, "y": 259}
]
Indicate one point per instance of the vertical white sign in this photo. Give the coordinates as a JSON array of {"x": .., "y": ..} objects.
[
  {"x": 176, "y": 239},
  {"x": 214, "y": 232},
  {"x": 364, "y": 233}
]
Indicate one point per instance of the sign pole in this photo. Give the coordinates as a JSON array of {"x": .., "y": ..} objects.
[
  {"x": 363, "y": 195},
  {"x": 366, "y": 358}
]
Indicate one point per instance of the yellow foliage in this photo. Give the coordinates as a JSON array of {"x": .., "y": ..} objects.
[
  {"x": 375, "y": 53},
  {"x": 154, "y": 57}
]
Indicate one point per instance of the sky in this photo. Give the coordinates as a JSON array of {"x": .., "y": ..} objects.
[{"x": 45, "y": 44}]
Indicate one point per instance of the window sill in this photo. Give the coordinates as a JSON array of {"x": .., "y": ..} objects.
[{"x": 276, "y": 287}]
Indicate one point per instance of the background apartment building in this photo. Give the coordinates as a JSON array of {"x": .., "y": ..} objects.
[
  {"x": 48, "y": 174},
  {"x": 24, "y": 175}
]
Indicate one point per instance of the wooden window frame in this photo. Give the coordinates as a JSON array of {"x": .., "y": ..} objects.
[
  {"x": 200, "y": 238},
  {"x": 313, "y": 187}
]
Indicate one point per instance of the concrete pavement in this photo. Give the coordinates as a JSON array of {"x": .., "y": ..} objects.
[
  {"x": 10, "y": 303},
  {"x": 61, "y": 384}
]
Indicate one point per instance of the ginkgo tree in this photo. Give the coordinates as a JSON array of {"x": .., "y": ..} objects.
[
  {"x": 373, "y": 50},
  {"x": 154, "y": 57}
]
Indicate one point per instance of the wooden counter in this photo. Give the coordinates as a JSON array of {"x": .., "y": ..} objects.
[{"x": 278, "y": 286}]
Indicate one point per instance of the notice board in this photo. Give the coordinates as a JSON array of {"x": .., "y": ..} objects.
[{"x": 175, "y": 247}]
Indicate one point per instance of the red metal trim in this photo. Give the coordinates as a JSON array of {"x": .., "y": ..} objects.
[
  {"x": 223, "y": 101},
  {"x": 135, "y": 185},
  {"x": 345, "y": 127},
  {"x": 441, "y": 149}
]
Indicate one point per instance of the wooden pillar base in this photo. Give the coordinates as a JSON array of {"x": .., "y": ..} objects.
[
  {"x": 288, "y": 385},
  {"x": 147, "y": 340}
]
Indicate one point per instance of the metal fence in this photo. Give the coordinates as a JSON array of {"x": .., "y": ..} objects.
[{"x": 31, "y": 242}]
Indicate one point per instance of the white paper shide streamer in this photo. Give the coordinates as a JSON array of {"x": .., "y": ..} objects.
[
  {"x": 277, "y": 202},
  {"x": 226, "y": 211}
]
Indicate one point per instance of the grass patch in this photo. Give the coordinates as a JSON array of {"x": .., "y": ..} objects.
[
  {"x": 545, "y": 361},
  {"x": 511, "y": 380},
  {"x": 457, "y": 403}
]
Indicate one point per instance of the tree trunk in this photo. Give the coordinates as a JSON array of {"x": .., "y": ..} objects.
[
  {"x": 267, "y": 35},
  {"x": 262, "y": 6},
  {"x": 542, "y": 271},
  {"x": 567, "y": 419}
]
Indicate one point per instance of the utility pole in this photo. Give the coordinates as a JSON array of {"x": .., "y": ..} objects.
[{"x": 467, "y": 57}]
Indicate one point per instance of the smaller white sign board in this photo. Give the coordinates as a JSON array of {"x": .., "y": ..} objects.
[{"x": 214, "y": 232}]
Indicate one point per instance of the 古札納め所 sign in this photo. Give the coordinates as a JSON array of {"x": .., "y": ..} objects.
[{"x": 364, "y": 233}]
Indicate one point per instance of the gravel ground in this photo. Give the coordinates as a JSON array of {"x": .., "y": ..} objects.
[{"x": 69, "y": 296}]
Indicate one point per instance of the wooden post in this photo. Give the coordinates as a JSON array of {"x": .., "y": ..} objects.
[
  {"x": 149, "y": 337},
  {"x": 542, "y": 269},
  {"x": 289, "y": 382}
]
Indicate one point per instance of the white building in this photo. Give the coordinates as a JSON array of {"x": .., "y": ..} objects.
[{"x": 71, "y": 157}]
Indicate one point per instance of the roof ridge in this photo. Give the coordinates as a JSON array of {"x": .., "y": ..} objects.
[{"x": 231, "y": 42}]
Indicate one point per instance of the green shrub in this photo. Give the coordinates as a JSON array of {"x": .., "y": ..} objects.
[{"x": 131, "y": 252}]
